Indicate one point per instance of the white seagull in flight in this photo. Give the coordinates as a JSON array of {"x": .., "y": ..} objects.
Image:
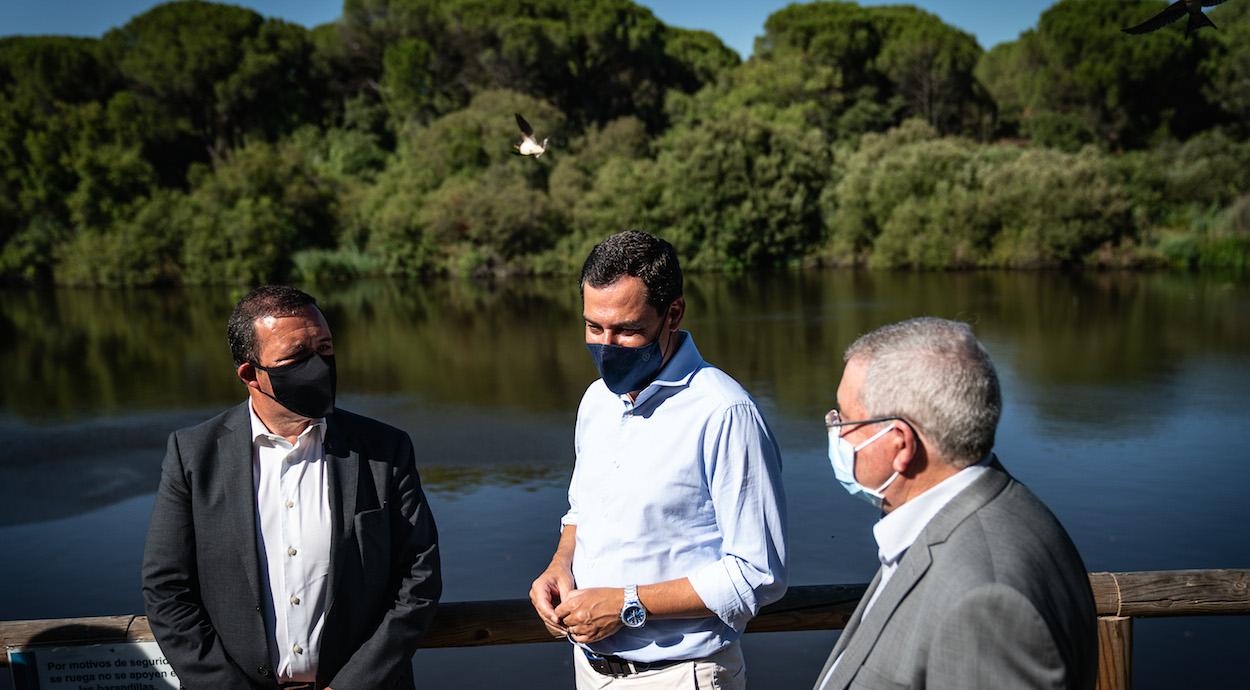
[{"x": 529, "y": 146}]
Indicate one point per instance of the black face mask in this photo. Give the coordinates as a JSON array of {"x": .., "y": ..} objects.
[{"x": 305, "y": 387}]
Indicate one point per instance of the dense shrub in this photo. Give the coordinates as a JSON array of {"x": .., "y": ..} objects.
[{"x": 909, "y": 198}]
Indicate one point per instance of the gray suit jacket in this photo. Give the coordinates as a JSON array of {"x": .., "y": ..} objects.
[
  {"x": 201, "y": 569},
  {"x": 992, "y": 594}
]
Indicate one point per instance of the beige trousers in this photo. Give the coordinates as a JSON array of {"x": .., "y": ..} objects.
[{"x": 724, "y": 670}]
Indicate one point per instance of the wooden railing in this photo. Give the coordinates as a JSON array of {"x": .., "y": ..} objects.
[{"x": 1118, "y": 598}]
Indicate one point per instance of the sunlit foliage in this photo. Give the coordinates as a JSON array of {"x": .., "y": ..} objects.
[{"x": 204, "y": 143}]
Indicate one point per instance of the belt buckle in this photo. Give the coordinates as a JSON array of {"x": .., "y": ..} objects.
[
  {"x": 623, "y": 667},
  {"x": 615, "y": 667}
]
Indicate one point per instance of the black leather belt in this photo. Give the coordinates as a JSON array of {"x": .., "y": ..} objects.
[{"x": 615, "y": 666}]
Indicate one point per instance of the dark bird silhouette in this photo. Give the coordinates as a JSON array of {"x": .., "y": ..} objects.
[
  {"x": 1178, "y": 9},
  {"x": 529, "y": 146}
]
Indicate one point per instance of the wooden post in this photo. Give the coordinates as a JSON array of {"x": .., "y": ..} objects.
[{"x": 1115, "y": 653}]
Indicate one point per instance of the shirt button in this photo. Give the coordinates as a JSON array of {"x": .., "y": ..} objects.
[
  {"x": 295, "y": 601},
  {"x": 291, "y": 551},
  {"x": 297, "y": 649},
  {"x": 290, "y": 504}
]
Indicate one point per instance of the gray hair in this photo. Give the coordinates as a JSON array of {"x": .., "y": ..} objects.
[{"x": 936, "y": 375}]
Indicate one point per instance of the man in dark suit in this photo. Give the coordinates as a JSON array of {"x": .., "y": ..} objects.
[
  {"x": 291, "y": 544},
  {"x": 979, "y": 585}
]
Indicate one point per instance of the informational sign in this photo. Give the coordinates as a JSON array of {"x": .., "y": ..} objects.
[{"x": 121, "y": 666}]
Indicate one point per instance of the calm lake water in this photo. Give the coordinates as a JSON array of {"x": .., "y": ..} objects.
[{"x": 1126, "y": 411}]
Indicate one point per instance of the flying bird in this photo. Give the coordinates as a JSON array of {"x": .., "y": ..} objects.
[
  {"x": 529, "y": 146},
  {"x": 1175, "y": 11}
]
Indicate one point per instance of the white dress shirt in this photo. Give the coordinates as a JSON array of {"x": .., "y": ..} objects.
[
  {"x": 898, "y": 530},
  {"x": 293, "y": 536},
  {"x": 685, "y": 481}
]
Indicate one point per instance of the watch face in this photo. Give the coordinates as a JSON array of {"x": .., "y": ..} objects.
[{"x": 634, "y": 616}]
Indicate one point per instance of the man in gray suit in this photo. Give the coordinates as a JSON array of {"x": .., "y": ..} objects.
[
  {"x": 979, "y": 585},
  {"x": 290, "y": 545}
]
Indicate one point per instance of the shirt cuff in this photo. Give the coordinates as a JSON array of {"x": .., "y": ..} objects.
[
  {"x": 569, "y": 518},
  {"x": 725, "y": 592}
]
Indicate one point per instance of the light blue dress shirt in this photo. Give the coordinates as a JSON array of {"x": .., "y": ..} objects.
[{"x": 685, "y": 481}]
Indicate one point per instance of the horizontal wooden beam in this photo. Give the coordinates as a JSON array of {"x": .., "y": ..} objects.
[
  {"x": 806, "y": 607},
  {"x": 458, "y": 623},
  {"x": 1172, "y": 593}
]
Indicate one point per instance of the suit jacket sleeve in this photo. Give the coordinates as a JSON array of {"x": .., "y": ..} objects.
[
  {"x": 171, "y": 592},
  {"x": 995, "y": 638},
  {"x": 415, "y": 558}
]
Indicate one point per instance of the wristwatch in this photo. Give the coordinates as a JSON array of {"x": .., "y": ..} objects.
[{"x": 633, "y": 613}]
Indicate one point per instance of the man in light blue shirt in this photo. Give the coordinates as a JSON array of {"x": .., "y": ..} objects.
[{"x": 675, "y": 534}]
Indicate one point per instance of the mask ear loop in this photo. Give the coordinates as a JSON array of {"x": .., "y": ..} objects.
[
  {"x": 874, "y": 437},
  {"x": 879, "y": 492},
  {"x": 663, "y": 327}
]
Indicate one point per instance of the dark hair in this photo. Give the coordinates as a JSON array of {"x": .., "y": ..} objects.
[
  {"x": 638, "y": 254},
  {"x": 266, "y": 300}
]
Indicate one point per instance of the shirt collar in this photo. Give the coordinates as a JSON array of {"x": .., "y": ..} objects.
[
  {"x": 898, "y": 530},
  {"x": 677, "y": 372},
  {"x": 262, "y": 432}
]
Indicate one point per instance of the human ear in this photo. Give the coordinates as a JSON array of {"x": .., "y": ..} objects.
[
  {"x": 676, "y": 311},
  {"x": 905, "y": 448},
  {"x": 247, "y": 374}
]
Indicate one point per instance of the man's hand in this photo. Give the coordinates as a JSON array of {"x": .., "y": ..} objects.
[
  {"x": 548, "y": 592},
  {"x": 591, "y": 614}
]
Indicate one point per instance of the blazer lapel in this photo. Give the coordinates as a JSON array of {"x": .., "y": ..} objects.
[
  {"x": 849, "y": 630},
  {"x": 234, "y": 448},
  {"x": 910, "y": 569},
  {"x": 343, "y": 467}
]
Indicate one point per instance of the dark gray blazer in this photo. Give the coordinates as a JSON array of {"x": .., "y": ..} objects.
[
  {"x": 201, "y": 570},
  {"x": 992, "y": 594}
]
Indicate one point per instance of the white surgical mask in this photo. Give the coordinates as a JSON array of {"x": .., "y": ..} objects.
[{"x": 842, "y": 457}]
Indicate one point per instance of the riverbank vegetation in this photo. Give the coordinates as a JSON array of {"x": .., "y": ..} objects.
[{"x": 204, "y": 143}]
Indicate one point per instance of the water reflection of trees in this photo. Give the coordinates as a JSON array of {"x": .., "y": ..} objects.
[
  {"x": 74, "y": 353},
  {"x": 487, "y": 378},
  {"x": 517, "y": 345},
  {"x": 784, "y": 336}
]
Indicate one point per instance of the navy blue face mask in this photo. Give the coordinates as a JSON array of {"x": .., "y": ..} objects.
[{"x": 626, "y": 369}]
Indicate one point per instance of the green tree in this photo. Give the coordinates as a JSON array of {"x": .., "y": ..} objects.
[
  {"x": 143, "y": 249},
  {"x": 216, "y": 72},
  {"x": 1077, "y": 78},
  {"x": 904, "y": 61},
  {"x": 467, "y": 147},
  {"x": 911, "y": 198},
  {"x": 698, "y": 57},
  {"x": 741, "y": 191},
  {"x": 252, "y": 212},
  {"x": 1226, "y": 70},
  {"x": 594, "y": 60}
]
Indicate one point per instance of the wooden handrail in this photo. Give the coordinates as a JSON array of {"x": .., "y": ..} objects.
[
  {"x": 807, "y": 607},
  {"x": 1154, "y": 593}
]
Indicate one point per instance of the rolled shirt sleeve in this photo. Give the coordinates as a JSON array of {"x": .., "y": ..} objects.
[
  {"x": 743, "y": 469},
  {"x": 570, "y": 517}
]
